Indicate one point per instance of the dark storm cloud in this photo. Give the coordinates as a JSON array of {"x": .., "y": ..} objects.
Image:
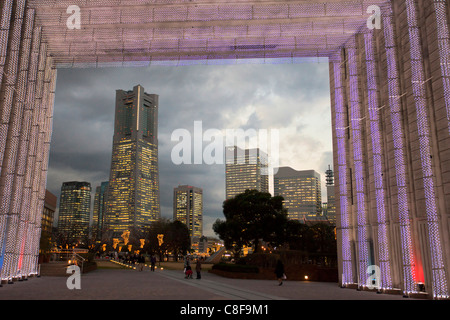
[{"x": 222, "y": 97}]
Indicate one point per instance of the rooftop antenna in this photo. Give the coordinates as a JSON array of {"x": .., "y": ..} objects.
[{"x": 329, "y": 176}]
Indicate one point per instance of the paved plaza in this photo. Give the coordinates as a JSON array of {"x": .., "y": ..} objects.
[
  {"x": 128, "y": 284},
  {"x": 125, "y": 292}
]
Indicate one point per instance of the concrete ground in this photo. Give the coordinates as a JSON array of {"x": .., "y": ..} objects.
[
  {"x": 127, "y": 284},
  {"x": 124, "y": 292}
]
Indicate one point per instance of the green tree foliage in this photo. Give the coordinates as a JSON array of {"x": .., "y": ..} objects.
[
  {"x": 253, "y": 216},
  {"x": 323, "y": 238},
  {"x": 250, "y": 217},
  {"x": 298, "y": 235},
  {"x": 178, "y": 238}
]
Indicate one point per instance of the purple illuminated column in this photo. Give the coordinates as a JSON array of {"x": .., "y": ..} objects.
[
  {"x": 5, "y": 25},
  {"x": 27, "y": 128},
  {"x": 378, "y": 167},
  {"x": 25, "y": 156},
  {"x": 441, "y": 7},
  {"x": 340, "y": 133},
  {"x": 27, "y": 70},
  {"x": 356, "y": 128},
  {"x": 396, "y": 116},
  {"x": 11, "y": 109},
  {"x": 439, "y": 279},
  {"x": 44, "y": 110}
]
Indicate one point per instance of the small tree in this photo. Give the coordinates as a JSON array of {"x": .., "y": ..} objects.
[
  {"x": 178, "y": 238},
  {"x": 175, "y": 238},
  {"x": 152, "y": 245}
]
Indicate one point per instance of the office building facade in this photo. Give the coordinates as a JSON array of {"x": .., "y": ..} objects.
[
  {"x": 188, "y": 208},
  {"x": 331, "y": 205},
  {"x": 133, "y": 192},
  {"x": 301, "y": 191},
  {"x": 245, "y": 169},
  {"x": 98, "y": 213},
  {"x": 74, "y": 211},
  {"x": 48, "y": 214}
]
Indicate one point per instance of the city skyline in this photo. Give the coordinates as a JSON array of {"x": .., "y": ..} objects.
[{"x": 300, "y": 89}]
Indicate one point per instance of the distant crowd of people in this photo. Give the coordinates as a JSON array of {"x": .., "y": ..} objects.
[{"x": 138, "y": 259}]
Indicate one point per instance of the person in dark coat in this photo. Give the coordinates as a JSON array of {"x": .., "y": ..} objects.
[
  {"x": 153, "y": 263},
  {"x": 279, "y": 272},
  {"x": 141, "y": 261}
]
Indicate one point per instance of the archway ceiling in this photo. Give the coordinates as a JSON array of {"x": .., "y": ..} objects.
[{"x": 142, "y": 32}]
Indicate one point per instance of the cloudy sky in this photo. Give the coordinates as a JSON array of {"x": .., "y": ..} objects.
[{"x": 291, "y": 98}]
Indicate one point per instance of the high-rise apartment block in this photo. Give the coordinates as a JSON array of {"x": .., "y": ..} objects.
[
  {"x": 245, "y": 169},
  {"x": 188, "y": 208},
  {"x": 301, "y": 192},
  {"x": 133, "y": 193},
  {"x": 74, "y": 210}
]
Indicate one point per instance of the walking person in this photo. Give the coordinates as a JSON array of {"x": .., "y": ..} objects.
[
  {"x": 187, "y": 268},
  {"x": 198, "y": 269},
  {"x": 141, "y": 261},
  {"x": 279, "y": 272},
  {"x": 153, "y": 262}
]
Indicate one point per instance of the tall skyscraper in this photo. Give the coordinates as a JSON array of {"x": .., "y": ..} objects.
[
  {"x": 301, "y": 192},
  {"x": 133, "y": 192},
  {"x": 245, "y": 169},
  {"x": 188, "y": 208},
  {"x": 74, "y": 210},
  {"x": 98, "y": 216}
]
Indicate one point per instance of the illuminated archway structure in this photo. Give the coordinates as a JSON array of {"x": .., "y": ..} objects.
[{"x": 390, "y": 109}]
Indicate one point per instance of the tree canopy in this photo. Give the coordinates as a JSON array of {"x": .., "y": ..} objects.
[
  {"x": 255, "y": 216},
  {"x": 175, "y": 238},
  {"x": 250, "y": 217}
]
